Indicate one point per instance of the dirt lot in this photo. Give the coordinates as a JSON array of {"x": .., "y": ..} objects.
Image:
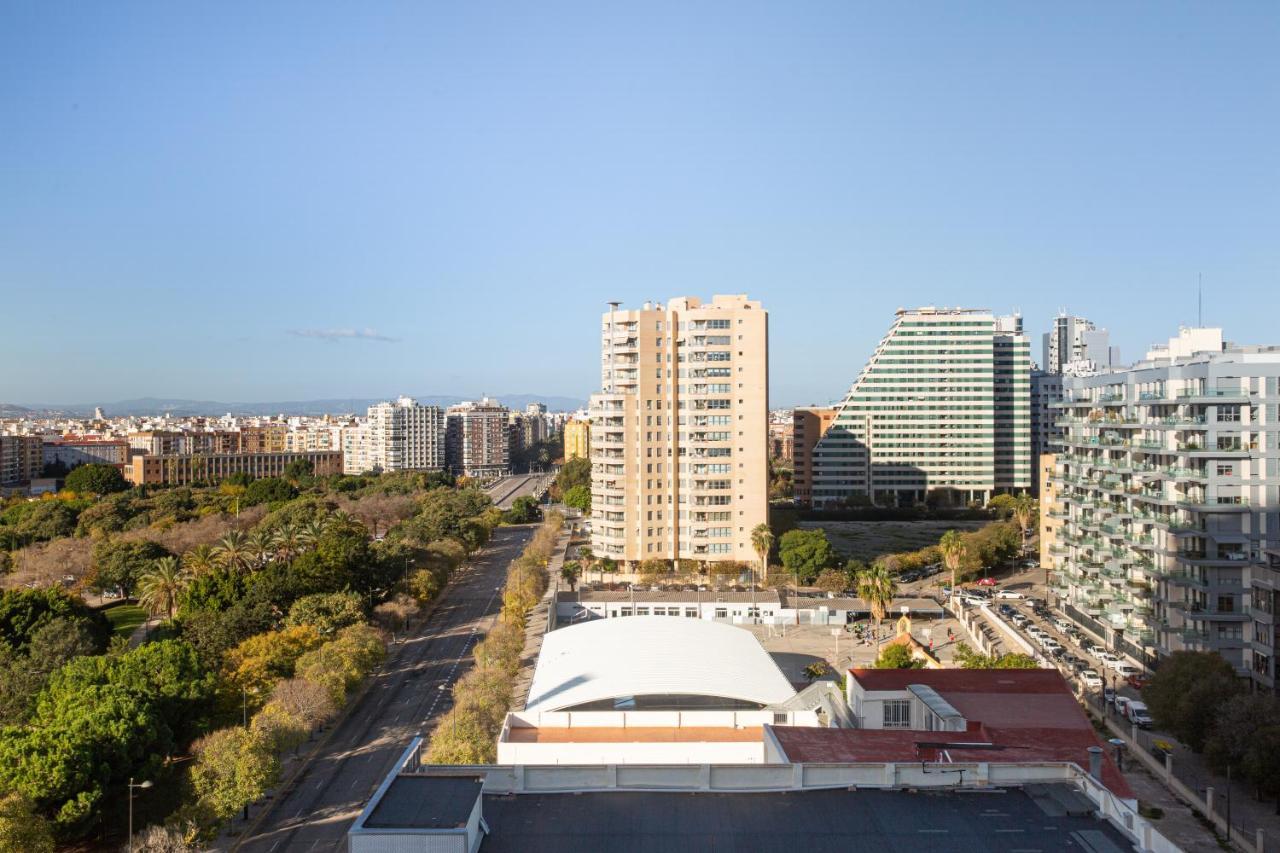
[{"x": 866, "y": 540}]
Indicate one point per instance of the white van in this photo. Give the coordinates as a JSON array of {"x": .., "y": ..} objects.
[
  {"x": 1121, "y": 703},
  {"x": 1126, "y": 670},
  {"x": 1137, "y": 713}
]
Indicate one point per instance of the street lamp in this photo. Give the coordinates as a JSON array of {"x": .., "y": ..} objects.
[{"x": 146, "y": 784}]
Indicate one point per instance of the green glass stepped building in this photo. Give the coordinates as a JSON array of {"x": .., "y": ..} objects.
[{"x": 941, "y": 410}]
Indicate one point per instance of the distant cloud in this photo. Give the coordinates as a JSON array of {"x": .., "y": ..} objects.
[{"x": 343, "y": 335}]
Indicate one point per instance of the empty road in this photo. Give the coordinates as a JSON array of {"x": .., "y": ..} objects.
[
  {"x": 505, "y": 491},
  {"x": 404, "y": 698}
]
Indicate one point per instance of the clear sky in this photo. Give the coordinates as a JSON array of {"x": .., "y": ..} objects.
[{"x": 266, "y": 201}]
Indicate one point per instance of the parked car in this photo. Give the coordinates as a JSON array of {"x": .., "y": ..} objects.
[
  {"x": 1137, "y": 713},
  {"x": 1018, "y": 619},
  {"x": 987, "y": 582},
  {"x": 1006, "y": 610},
  {"x": 1121, "y": 702},
  {"x": 1091, "y": 679},
  {"x": 972, "y": 600},
  {"x": 909, "y": 577},
  {"x": 1062, "y": 625},
  {"x": 1126, "y": 670},
  {"x": 1008, "y": 593},
  {"x": 1108, "y": 695},
  {"x": 1137, "y": 682}
]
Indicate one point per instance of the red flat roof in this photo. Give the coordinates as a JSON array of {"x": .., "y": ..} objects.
[
  {"x": 1043, "y": 723},
  {"x": 965, "y": 680}
]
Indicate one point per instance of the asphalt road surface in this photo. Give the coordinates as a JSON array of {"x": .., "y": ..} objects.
[
  {"x": 505, "y": 491},
  {"x": 403, "y": 699}
]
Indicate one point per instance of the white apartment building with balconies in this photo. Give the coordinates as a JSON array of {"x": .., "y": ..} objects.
[
  {"x": 396, "y": 436},
  {"x": 1168, "y": 498}
]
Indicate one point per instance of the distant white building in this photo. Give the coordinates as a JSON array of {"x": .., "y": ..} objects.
[{"x": 399, "y": 436}]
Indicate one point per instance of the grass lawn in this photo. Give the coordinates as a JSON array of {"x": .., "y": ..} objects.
[
  {"x": 867, "y": 540},
  {"x": 124, "y": 618}
]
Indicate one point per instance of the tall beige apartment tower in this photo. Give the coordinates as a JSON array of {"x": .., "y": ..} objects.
[{"x": 679, "y": 431}]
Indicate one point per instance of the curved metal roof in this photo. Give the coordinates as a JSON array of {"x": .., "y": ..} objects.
[{"x": 653, "y": 656}]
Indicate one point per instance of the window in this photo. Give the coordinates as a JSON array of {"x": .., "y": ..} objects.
[
  {"x": 897, "y": 714},
  {"x": 722, "y": 613}
]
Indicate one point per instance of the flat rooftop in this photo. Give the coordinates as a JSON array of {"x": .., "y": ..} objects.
[
  {"x": 636, "y": 734},
  {"x": 847, "y": 821},
  {"x": 426, "y": 802}
]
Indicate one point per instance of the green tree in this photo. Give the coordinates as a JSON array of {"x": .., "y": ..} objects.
[
  {"x": 1187, "y": 693},
  {"x": 897, "y": 656},
  {"x": 570, "y": 572},
  {"x": 762, "y": 544},
  {"x": 327, "y": 612},
  {"x": 21, "y": 828},
  {"x": 970, "y": 659},
  {"x": 524, "y": 510},
  {"x": 574, "y": 474},
  {"x": 1026, "y": 514},
  {"x": 233, "y": 767},
  {"x": 260, "y": 661},
  {"x": 52, "y": 644},
  {"x": 654, "y": 568},
  {"x": 160, "y": 586},
  {"x": 579, "y": 497},
  {"x": 299, "y": 470},
  {"x": 96, "y": 479},
  {"x": 234, "y": 551},
  {"x": 1246, "y": 738},
  {"x": 805, "y": 553},
  {"x": 953, "y": 549},
  {"x": 24, "y": 611},
  {"x": 1002, "y": 505},
  {"x": 120, "y": 563},
  {"x": 877, "y": 588},
  {"x": 268, "y": 490},
  {"x": 41, "y": 521}
]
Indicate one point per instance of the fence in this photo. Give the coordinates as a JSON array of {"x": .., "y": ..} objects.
[{"x": 1179, "y": 772}]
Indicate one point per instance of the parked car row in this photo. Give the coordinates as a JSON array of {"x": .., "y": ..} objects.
[{"x": 919, "y": 574}]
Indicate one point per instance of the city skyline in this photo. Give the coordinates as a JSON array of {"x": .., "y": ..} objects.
[{"x": 328, "y": 205}]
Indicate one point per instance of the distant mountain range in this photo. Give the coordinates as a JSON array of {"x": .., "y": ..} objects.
[{"x": 187, "y": 408}]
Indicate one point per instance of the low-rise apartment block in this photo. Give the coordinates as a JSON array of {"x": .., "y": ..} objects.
[{"x": 183, "y": 470}]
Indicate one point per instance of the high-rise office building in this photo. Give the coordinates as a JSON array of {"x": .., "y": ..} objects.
[
  {"x": 396, "y": 436},
  {"x": 941, "y": 410},
  {"x": 809, "y": 424},
  {"x": 679, "y": 431},
  {"x": 478, "y": 439},
  {"x": 1167, "y": 497}
]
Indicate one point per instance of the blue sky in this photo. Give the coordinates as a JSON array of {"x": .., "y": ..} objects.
[{"x": 261, "y": 201}]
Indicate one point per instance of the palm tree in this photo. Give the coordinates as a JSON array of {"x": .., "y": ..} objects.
[
  {"x": 762, "y": 543},
  {"x": 310, "y": 532},
  {"x": 1024, "y": 513},
  {"x": 877, "y": 587},
  {"x": 587, "y": 558},
  {"x": 200, "y": 560},
  {"x": 261, "y": 544},
  {"x": 953, "y": 552},
  {"x": 287, "y": 541},
  {"x": 569, "y": 572},
  {"x": 162, "y": 584},
  {"x": 234, "y": 551}
]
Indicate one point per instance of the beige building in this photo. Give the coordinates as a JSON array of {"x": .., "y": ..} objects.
[
  {"x": 1051, "y": 512},
  {"x": 577, "y": 439},
  {"x": 679, "y": 432},
  {"x": 807, "y": 426}
]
